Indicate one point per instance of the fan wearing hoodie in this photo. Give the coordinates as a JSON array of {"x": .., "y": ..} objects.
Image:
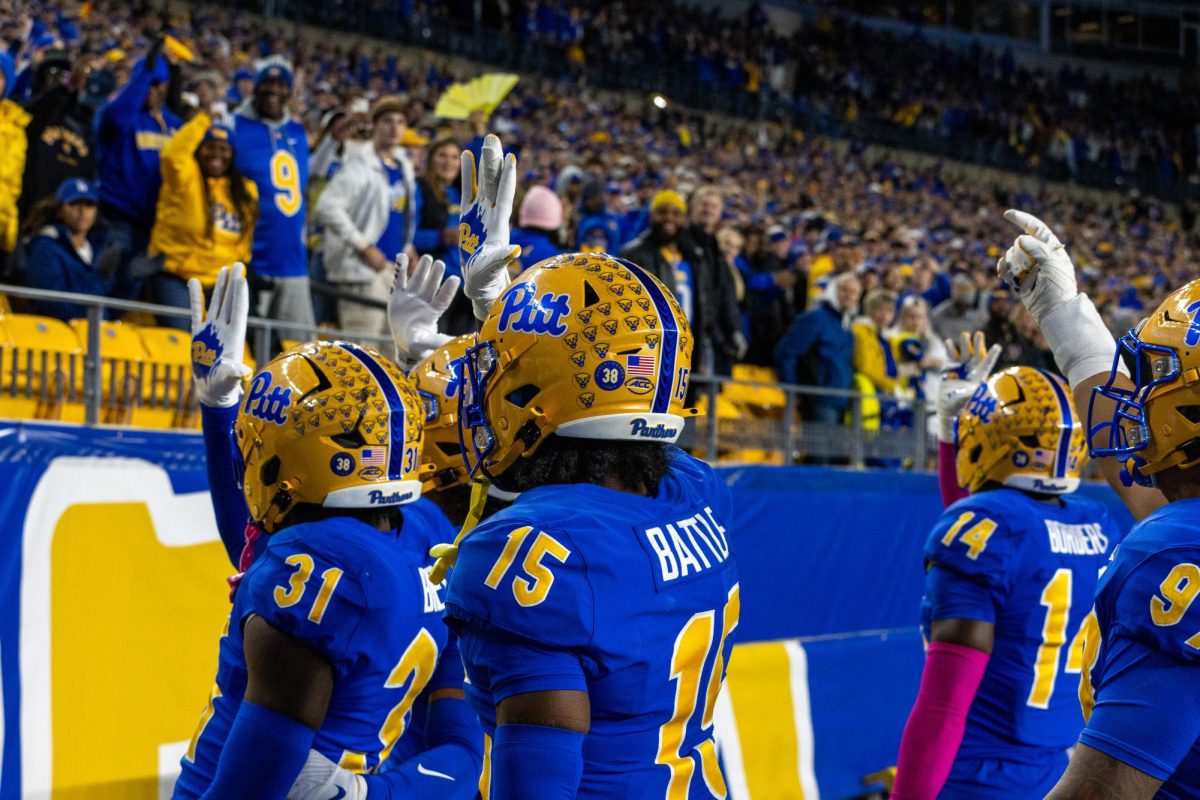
[
  {"x": 271, "y": 149},
  {"x": 13, "y": 120},
  {"x": 369, "y": 211}
]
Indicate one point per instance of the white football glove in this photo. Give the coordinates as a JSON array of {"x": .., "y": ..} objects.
[
  {"x": 1037, "y": 266},
  {"x": 219, "y": 338},
  {"x": 965, "y": 369},
  {"x": 416, "y": 304},
  {"x": 484, "y": 249},
  {"x": 321, "y": 779}
]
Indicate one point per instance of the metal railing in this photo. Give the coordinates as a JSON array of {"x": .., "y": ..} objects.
[
  {"x": 773, "y": 430},
  {"x": 94, "y": 387}
]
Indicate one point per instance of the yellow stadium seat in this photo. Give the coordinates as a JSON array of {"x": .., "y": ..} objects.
[
  {"x": 121, "y": 368},
  {"x": 41, "y": 369},
  {"x": 167, "y": 399}
]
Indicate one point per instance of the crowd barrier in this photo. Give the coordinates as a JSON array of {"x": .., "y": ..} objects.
[{"x": 112, "y": 585}]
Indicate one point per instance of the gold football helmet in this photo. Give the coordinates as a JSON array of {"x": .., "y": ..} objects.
[
  {"x": 1156, "y": 424},
  {"x": 331, "y": 424},
  {"x": 1020, "y": 429},
  {"x": 438, "y": 379},
  {"x": 583, "y": 345}
]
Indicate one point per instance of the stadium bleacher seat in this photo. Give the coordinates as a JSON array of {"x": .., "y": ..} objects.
[
  {"x": 121, "y": 368},
  {"x": 167, "y": 399},
  {"x": 41, "y": 369}
]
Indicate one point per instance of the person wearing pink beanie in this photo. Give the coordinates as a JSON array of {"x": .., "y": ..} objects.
[{"x": 538, "y": 220}]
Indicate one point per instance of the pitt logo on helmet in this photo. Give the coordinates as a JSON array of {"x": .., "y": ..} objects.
[
  {"x": 544, "y": 315},
  {"x": 519, "y": 389},
  {"x": 268, "y": 403},
  {"x": 303, "y": 459},
  {"x": 1020, "y": 429}
]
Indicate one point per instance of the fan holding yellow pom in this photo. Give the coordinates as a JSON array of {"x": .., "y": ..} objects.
[{"x": 480, "y": 95}]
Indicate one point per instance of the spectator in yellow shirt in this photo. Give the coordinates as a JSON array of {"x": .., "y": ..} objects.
[
  {"x": 13, "y": 120},
  {"x": 206, "y": 213},
  {"x": 873, "y": 356}
]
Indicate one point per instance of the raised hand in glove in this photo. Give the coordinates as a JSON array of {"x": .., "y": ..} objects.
[
  {"x": 219, "y": 338},
  {"x": 416, "y": 304},
  {"x": 966, "y": 367},
  {"x": 483, "y": 228},
  {"x": 1037, "y": 266}
]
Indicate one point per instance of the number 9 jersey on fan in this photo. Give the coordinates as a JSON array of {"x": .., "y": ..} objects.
[{"x": 631, "y": 599}]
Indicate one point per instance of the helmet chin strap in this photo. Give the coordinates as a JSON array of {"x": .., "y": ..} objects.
[{"x": 447, "y": 554}]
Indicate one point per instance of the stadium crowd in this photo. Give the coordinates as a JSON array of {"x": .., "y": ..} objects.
[{"x": 142, "y": 149}]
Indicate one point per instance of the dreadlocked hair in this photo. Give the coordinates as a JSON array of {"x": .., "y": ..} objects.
[{"x": 631, "y": 466}]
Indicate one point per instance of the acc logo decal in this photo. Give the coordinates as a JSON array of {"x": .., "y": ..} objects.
[
  {"x": 269, "y": 404},
  {"x": 581, "y": 379},
  {"x": 609, "y": 375},
  {"x": 466, "y": 240},
  {"x": 541, "y": 315},
  {"x": 639, "y": 385},
  {"x": 652, "y": 340},
  {"x": 610, "y": 325},
  {"x": 578, "y": 358},
  {"x": 370, "y": 473},
  {"x": 206, "y": 350},
  {"x": 342, "y": 464},
  {"x": 586, "y": 399}
]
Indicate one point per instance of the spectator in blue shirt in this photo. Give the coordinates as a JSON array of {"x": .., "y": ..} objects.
[
  {"x": 440, "y": 189},
  {"x": 131, "y": 131},
  {"x": 594, "y": 217}
]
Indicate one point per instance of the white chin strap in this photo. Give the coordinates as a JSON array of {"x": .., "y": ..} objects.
[
  {"x": 376, "y": 495},
  {"x": 1043, "y": 484}
]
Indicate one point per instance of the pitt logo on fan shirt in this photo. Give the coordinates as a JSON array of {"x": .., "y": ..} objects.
[{"x": 688, "y": 547}]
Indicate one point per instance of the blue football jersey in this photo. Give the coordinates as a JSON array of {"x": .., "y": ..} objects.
[
  {"x": 276, "y": 159},
  {"x": 1141, "y": 685},
  {"x": 362, "y": 599},
  {"x": 1029, "y": 568},
  {"x": 631, "y": 599}
]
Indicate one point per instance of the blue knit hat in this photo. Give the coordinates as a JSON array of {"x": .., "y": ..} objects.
[{"x": 274, "y": 70}]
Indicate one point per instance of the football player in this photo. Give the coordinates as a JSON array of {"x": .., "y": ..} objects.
[
  {"x": 595, "y": 612},
  {"x": 1010, "y": 573},
  {"x": 1140, "y": 688},
  {"x": 335, "y": 631}
]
